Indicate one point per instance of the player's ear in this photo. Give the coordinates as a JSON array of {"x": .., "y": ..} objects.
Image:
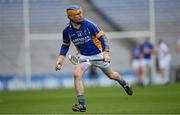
[{"x": 67, "y": 16}]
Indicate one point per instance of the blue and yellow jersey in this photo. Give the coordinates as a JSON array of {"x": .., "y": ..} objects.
[
  {"x": 136, "y": 53},
  {"x": 89, "y": 39},
  {"x": 147, "y": 49}
]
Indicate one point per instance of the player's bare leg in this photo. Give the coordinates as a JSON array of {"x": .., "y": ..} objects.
[
  {"x": 116, "y": 76},
  {"x": 144, "y": 74},
  {"x": 78, "y": 72},
  {"x": 141, "y": 77}
]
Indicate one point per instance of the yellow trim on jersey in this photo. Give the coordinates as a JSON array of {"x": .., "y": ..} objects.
[
  {"x": 100, "y": 34},
  {"x": 106, "y": 52},
  {"x": 97, "y": 43},
  {"x": 61, "y": 57}
]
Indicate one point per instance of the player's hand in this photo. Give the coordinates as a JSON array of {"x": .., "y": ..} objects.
[
  {"x": 58, "y": 65},
  {"x": 106, "y": 56}
]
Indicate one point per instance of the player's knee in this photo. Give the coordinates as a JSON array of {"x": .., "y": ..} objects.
[{"x": 78, "y": 73}]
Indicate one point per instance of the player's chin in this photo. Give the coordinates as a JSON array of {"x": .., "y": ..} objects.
[{"x": 80, "y": 21}]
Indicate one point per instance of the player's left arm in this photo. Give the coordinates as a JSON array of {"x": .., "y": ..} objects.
[
  {"x": 96, "y": 31},
  {"x": 105, "y": 47}
]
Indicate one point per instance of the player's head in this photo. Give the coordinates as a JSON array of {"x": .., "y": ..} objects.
[
  {"x": 147, "y": 39},
  {"x": 137, "y": 43},
  {"x": 160, "y": 41},
  {"x": 74, "y": 13}
]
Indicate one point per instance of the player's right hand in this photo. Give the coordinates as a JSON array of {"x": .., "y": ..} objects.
[{"x": 58, "y": 65}]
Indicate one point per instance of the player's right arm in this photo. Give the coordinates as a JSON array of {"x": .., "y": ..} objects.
[{"x": 63, "y": 50}]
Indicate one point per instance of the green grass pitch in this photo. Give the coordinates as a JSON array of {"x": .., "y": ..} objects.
[{"x": 107, "y": 100}]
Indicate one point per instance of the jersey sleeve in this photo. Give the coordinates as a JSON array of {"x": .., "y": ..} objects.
[
  {"x": 66, "y": 39},
  {"x": 152, "y": 46},
  {"x": 94, "y": 29},
  {"x": 65, "y": 45},
  {"x": 99, "y": 34}
]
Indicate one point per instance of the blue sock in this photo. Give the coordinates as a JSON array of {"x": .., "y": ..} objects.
[
  {"x": 123, "y": 83},
  {"x": 81, "y": 99}
]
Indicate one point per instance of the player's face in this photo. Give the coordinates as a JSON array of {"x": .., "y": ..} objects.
[
  {"x": 77, "y": 18},
  {"x": 138, "y": 44}
]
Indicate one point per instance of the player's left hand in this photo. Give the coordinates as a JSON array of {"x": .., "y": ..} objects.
[{"x": 106, "y": 56}]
